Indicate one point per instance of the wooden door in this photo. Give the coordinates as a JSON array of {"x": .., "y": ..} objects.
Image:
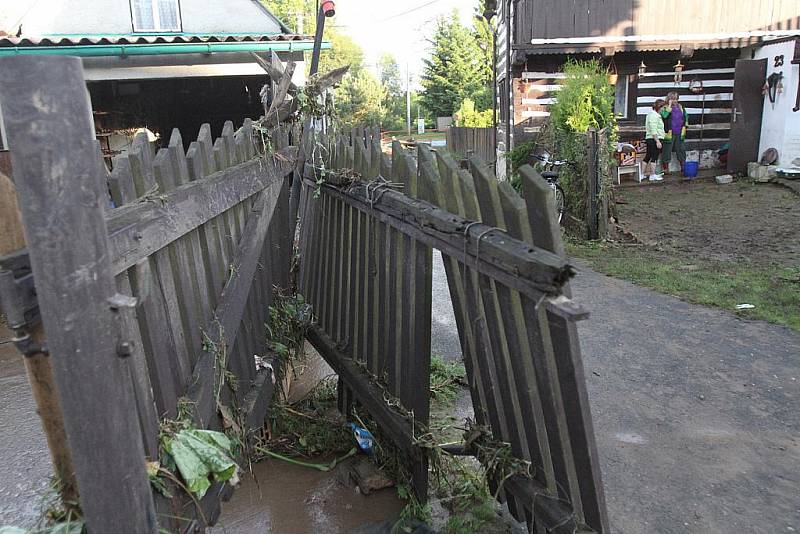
[{"x": 746, "y": 114}]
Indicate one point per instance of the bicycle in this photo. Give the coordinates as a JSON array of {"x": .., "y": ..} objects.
[{"x": 550, "y": 169}]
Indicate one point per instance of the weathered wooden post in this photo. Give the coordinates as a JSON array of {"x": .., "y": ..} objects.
[
  {"x": 28, "y": 338},
  {"x": 57, "y": 176},
  {"x": 591, "y": 175}
]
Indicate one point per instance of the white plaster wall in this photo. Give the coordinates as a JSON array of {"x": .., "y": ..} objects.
[
  {"x": 48, "y": 17},
  {"x": 780, "y": 128},
  {"x": 230, "y": 16}
]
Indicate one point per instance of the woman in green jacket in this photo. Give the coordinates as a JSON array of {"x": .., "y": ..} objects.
[
  {"x": 676, "y": 121},
  {"x": 654, "y": 135}
]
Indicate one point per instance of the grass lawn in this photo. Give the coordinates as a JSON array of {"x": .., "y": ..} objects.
[
  {"x": 773, "y": 290},
  {"x": 428, "y": 136}
]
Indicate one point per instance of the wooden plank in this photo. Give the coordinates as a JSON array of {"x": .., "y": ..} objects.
[
  {"x": 228, "y": 314},
  {"x": 155, "y": 322},
  {"x": 324, "y": 283},
  {"x": 418, "y": 310},
  {"x": 341, "y": 272},
  {"x": 192, "y": 255},
  {"x": 74, "y": 291},
  {"x": 166, "y": 293},
  {"x": 124, "y": 193},
  {"x": 207, "y": 232},
  {"x": 432, "y": 190},
  {"x": 515, "y": 215},
  {"x": 283, "y": 86},
  {"x": 479, "y": 311},
  {"x": 242, "y": 354},
  {"x": 142, "y": 388},
  {"x": 593, "y": 178},
  {"x": 138, "y": 230},
  {"x": 159, "y": 345},
  {"x": 571, "y": 384},
  {"x": 530, "y": 270},
  {"x": 11, "y": 235},
  {"x": 371, "y": 396}
]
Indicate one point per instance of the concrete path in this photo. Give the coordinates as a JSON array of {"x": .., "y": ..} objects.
[
  {"x": 696, "y": 412},
  {"x": 24, "y": 459}
]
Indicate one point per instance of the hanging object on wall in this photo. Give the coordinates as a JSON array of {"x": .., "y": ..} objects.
[
  {"x": 642, "y": 69},
  {"x": 773, "y": 87},
  {"x": 613, "y": 75},
  {"x": 678, "y": 72}
]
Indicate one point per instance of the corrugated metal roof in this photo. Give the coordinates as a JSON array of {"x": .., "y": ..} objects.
[
  {"x": 180, "y": 38},
  {"x": 649, "y": 43}
]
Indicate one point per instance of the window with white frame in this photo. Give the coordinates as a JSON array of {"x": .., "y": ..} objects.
[
  {"x": 156, "y": 15},
  {"x": 621, "y": 96}
]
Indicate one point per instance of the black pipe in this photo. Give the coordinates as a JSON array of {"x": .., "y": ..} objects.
[{"x": 317, "y": 41}]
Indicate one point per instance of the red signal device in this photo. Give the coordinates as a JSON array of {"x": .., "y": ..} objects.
[{"x": 329, "y": 8}]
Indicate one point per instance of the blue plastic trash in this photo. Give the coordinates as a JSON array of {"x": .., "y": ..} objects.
[{"x": 364, "y": 438}]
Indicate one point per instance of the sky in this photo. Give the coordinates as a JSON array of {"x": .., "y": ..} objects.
[{"x": 398, "y": 27}]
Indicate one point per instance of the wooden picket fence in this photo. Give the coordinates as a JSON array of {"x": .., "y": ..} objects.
[
  {"x": 369, "y": 222},
  {"x": 146, "y": 302}
]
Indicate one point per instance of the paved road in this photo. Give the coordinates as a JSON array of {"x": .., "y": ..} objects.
[{"x": 696, "y": 412}]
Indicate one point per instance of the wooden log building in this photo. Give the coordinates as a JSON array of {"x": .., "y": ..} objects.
[{"x": 641, "y": 42}]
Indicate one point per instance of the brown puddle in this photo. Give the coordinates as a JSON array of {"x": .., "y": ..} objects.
[{"x": 299, "y": 500}]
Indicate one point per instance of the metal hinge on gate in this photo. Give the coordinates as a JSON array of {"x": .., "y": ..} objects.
[{"x": 17, "y": 292}]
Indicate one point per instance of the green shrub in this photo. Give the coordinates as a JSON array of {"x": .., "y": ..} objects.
[
  {"x": 468, "y": 116},
  {"x": 586, "y": 100}
]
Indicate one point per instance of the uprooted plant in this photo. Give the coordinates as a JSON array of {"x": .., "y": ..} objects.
[{"x": 289, "y": 319}]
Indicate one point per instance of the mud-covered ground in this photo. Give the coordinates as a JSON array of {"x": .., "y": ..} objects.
[{"x": 742, "y": 221}]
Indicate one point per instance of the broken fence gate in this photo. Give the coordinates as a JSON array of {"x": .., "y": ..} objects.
[
  {"x": 140, "y": 302},
  {"x": 366, "y": 269}
]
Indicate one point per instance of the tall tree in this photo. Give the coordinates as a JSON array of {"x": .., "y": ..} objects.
[
  {"x": 390, "y": 75},
  {"x": 360, "y": 99},
  {"x": 482, "y": 32},
  {"x": 344, "y": 51},
  {"x": 454, "y": 71},
  {"x": 288, "y": 10}
]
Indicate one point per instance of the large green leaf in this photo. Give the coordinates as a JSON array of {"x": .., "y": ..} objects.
[{"x": 200, "y": 455}]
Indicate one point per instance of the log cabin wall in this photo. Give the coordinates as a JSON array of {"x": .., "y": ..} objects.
[
  {"x": 531, "y": 72},
  {"x": 548, "y": 19},
  {"x": 537, "y": 82}
]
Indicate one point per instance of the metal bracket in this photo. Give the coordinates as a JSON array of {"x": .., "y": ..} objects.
[{"x": 17, "y": 291}]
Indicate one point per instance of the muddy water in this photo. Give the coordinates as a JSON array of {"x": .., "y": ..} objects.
[{"x": 289, "y": 499}]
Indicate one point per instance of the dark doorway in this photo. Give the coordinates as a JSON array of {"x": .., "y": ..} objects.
[
  {"x": 746, "y": 114},
  {"x": 183, "y": 103}
]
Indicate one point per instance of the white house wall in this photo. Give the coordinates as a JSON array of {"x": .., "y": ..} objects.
[
  {"x": 780, "y": 128},
  {"x": 105, "y": 17}
]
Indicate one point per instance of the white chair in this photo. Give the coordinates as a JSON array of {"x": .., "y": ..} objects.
[{"x": 629, "y": 169}]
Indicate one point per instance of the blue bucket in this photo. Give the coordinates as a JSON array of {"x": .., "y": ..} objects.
[{"x": 690, "y": 169}]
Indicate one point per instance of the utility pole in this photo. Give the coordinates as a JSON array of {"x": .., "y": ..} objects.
[{"x": 408, "y": 98}]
